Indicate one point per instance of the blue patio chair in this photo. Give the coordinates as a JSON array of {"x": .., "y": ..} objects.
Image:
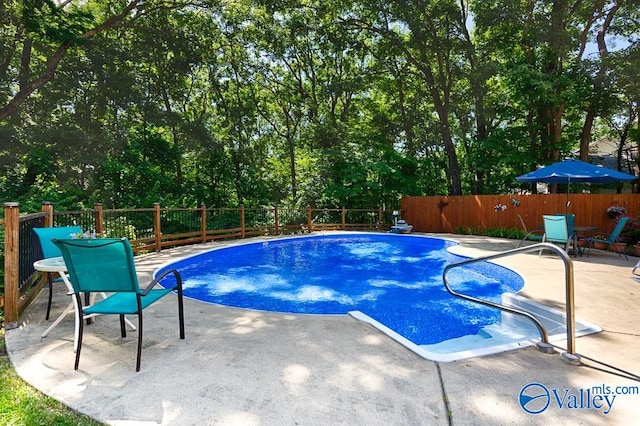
[
  {"x": 556, "y": 231},
  {"x": 107, "y": 265},
  {"x": 49, "y": 249},
  {"x": 612, "y": 238},
  {"x": 571, "y": 220},
  {"x": 533, "y": 235}
]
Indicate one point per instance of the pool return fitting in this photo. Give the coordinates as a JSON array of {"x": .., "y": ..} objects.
[{"x": 570, "y": 356}]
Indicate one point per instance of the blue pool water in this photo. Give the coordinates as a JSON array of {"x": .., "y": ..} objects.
[{"x": 394, "y": 279}]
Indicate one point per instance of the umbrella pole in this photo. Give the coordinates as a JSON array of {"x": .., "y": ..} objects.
[{"x": 566, "y": 208}]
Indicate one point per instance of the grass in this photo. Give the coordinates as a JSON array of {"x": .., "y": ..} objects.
[{"x": 22, "y": 404}]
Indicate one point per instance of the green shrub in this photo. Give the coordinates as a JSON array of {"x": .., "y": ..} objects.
[{"x": 510, "y": 233}]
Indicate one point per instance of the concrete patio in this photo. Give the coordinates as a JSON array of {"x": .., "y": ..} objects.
[{"x": 240, "y": 367}]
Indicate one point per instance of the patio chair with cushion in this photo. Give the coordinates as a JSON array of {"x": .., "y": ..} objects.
[
  {"x": 107, "y": 265},
  {"x": 49, "y": 249},
  {"x": 533, "y": 235},
  {"x": 612, "y": 238}
]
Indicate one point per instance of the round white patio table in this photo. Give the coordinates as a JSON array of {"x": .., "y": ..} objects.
[{"x": 56, "y": 264}]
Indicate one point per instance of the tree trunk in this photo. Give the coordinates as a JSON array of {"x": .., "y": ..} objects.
[
  {"x": 292, "y": 168},
  {"x": 585, "y": 137},
  {"x": 598, "y": 84}
]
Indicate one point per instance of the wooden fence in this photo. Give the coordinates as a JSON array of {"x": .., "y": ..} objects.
[{"x": 453, "y": 214}]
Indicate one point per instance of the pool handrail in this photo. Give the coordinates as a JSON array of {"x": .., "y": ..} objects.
[{"x": 569, "y": 356}]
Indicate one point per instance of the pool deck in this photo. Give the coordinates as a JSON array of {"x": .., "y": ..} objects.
[{"x": 241, "y": 367}]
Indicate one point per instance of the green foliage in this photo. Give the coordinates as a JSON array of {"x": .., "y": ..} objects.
[
  {"x": 631, "y": 233},
  {"x": 510, "y": 233},
  {"x": 47, "y": 21},
  {"x": 142, "y": 172},
  {"x": 120, "y": 227},
  {"x": 255, "y": 103},
  {"x": 466, "y": 230}
]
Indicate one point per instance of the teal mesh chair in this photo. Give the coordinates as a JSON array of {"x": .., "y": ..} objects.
[
  {"x": 612, "y": 238},
  {"x": 107, "y": 265},
  {"x": 571, "y": 221},
  {"x": 49, "y": 249},
  {"x": 556, "y": 231}
]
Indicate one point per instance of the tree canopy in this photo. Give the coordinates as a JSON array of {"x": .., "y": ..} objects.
[{"x": 306, "y": 103}]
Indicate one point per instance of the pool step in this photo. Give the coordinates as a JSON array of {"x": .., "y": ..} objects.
[
  {"x": 554, "y": 321},
  {"x": 514, "y": 329},
  {"x": 497, "y": 334}
]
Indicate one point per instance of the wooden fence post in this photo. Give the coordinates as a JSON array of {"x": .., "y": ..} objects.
[
  {"x": 47, "y": 207},
  {"x": 344, "y": 218},
  {"x": 203, "y": 222},
  {"x": 99, "y": 219},
  {"x": 309, "y": 224},
  {"x": 242, "y": 234},
  {"x": 11, "y": 263},
  {"x": 275, "y": 218},
  {"x": 379, "y": 217},
  {"x": 156, "y": 226}
]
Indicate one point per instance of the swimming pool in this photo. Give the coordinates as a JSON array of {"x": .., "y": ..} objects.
[
  {"x": 391, "y": 281},
  {"x": 394, "y": 279}
]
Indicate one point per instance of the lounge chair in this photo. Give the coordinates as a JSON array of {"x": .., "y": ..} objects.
[
  {"x": 533, "y": 235},
  {"x": 107, "y": 265},
  {"x": 612, "y": 238}
]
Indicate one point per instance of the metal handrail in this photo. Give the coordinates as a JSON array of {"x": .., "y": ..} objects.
[{"x": 570, "y": 355}]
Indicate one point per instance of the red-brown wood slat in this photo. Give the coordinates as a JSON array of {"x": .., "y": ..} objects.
[{"x": 449, "y": 214}]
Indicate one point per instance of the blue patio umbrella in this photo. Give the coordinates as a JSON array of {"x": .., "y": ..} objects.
[{"x": 568, "y": 171}]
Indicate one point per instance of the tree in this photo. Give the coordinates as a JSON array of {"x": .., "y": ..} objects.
[
  {"x": 540, "y": 46},
  {"x": 428, "y": 35},
  {"x": 303, "y": 103},
  {"x": 42, "y": 32},
  {"x": 626, "y": 108}
]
